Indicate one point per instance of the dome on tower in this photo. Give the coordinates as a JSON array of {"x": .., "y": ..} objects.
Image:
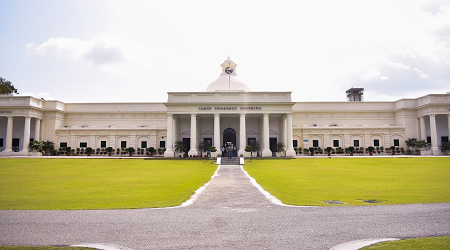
[{"x": 228, "y": 79}]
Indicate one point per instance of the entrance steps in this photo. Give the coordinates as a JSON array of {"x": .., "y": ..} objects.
[{"x": 232, "y": 161}]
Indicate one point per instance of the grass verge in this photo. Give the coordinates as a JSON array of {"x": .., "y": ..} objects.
[
  {"x": 68, "y": 184},
  {"x": 354, "y": 181},
  {"x": 435, "y": 243}
]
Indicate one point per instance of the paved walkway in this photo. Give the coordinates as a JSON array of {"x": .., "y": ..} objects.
[{"x": 230, "y": 214}]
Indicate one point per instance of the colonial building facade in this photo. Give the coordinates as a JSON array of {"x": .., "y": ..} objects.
[{"x": 226, "y": 113}]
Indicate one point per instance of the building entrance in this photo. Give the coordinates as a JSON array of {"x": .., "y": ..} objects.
[{"x": 229, "y": 136}]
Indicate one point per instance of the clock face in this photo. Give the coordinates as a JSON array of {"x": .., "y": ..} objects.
[{"x": 228, "y": 70}]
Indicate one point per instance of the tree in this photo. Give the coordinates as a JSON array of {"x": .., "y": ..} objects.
[
  {"x": 179, "y": 146},
  {"x": 6, "y": 87}
]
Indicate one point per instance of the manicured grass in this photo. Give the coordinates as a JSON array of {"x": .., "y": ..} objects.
[
  {"x": 60, "y": 184},
  {"x": 435, "y": 243},
  {"x": 353, "y": 180}
]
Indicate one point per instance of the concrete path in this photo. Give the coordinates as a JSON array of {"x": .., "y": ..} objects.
[{"x": 230, "y": 214}]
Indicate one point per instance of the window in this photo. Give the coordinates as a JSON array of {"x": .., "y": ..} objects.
[
  {"x": 63, "y": 144},
  {"x": 396, "y": 142},
  {"x": 1, "y": 142},
  {"x": 83, "y": 144},
  {"x": 295, "y": 143},
  {"x": 376, "y": 143},
  {"x": 162, "y": 144},
  {"x": 123, "y": 144},
  {"x": 429, "y": 139},
  {"x": 444, "y": 139},
  {"x": 143, "y": 144},
  {"x": 315, "y": 143},
  {"x": 103, "y": 144},
  {"x": 250, "y": 141},
  {"x": 336, "y": 143},
  {"x": 355, "y": 143}
]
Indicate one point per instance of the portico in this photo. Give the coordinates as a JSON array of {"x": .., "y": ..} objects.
[{"x": 207, "y": 116}]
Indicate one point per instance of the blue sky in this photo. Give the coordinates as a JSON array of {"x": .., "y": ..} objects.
[{"x": 137, "y": 51}]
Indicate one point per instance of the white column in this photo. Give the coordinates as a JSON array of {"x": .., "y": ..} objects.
[
  {"x": 448, "y": 125},
  {"x": 266, "y": 145},
  {"x": 26, "y": 135},
  {"x": 217, "y": 134},
  {"x": 423, "y": 129},
  {"x": 9, "y": 134},
  {"x": 283, "y": 131},
  {"x": 242, "y": 135},
  {"x": 92, "y": 140},
  {"x": 169, "y": 142},
  {"x": 290, "y": 148},
  {"x": 193, "y": 150},
  {"x": 434, "y": 140},
  {"x": 37, "y": 129},
  {"x": 176, "y": 123}
]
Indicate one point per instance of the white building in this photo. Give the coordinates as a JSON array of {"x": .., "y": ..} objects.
[{"x": 226, "y": 112}]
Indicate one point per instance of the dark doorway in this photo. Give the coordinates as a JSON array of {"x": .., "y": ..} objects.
[
  {"x": 15, "y": 144},
  {"x": 187, "y": 144},
  {"x": 273, "y": 145},
  {"x": 229, "y": 135}
]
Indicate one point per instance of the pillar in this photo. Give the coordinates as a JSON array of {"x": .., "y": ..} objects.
[
  {"x": 169, "y": 142},
  {"x": 283, "y": 130},
  {"x": 423, "y": 129},
  {"x": 434, "y": 140},
  {"x": 193, "y": 150},
  {"x": 448, "y": 126},
  {"x": 242, "y": 135},
  {"x": 9, "y": 134},
  {"x": 37, "y": 129},
  {"x": 290, "y": 138},
  {"x": 266, "y": 145},
  {"x": 217, "y": 134},
  {"x": 26, "y": 135}
]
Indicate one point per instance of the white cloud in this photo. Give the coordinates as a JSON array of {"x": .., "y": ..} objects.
[{"x": 100, "y": 50}]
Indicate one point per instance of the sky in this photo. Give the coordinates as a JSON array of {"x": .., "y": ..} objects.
[{"x": 137, "y": 51}]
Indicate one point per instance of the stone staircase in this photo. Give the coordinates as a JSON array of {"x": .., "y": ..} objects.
[{"x": 232, "y": 161}]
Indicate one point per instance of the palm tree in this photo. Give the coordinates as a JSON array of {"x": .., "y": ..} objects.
[{"x": 179, "y": 146}]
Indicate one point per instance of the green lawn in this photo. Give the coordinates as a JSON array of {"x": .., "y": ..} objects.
[
  {"x": 434, "y": 243},
  {"x": 353, "y": 180},
  {"x": 53, "y": 184}
]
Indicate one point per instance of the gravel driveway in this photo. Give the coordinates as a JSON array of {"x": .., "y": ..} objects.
[{"x": 231, "y": 213}]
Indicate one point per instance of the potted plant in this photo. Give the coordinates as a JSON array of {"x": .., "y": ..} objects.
[
  {"x": 296, "y": 150},
  {"x": 329, "y": 150},
  {"x": 392, "y": 148},
  {"x": 180, "y": 148},
  {"x": 213, "y": 151},
  {"x": 138, "y": 151},
  {"x": 248, "y": 151},
  {"x": 68, "y": 150},
  {"x": 203, "y": 147},
  {"x": 371, "y": 149},
  {"x": 351, "y": 149},
  {"x": 109, "y": 150},
  {"x": 311, "y": 151},
  {"x": 48, "y": 147},
  {"x": 36, "y": 148},
  {"x": 151, "y": 150},
  {"x": 381, "y": 149},
  {"x": 280, "y": 149},
  {"x": 256, "y": 146},
  {"x": 130, "y": 151},
  {"x": 88, "y": 151}
]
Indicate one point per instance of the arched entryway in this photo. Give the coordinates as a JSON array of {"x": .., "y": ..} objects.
[{"x": 229, "y": 135}]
